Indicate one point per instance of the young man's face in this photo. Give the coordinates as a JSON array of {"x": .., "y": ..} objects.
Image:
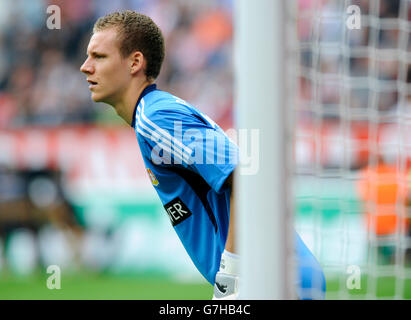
[{"x": 107, "y": 71}]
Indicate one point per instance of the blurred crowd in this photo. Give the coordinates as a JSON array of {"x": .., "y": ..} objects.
[
  {"x": 355, "y": 73},
  {"x": 40, "y": 82}
]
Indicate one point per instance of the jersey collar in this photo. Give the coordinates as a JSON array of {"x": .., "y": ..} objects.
[{"x": 147, "y": 90}]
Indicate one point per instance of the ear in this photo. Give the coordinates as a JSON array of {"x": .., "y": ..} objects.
[{"x": 136, "y": 62}]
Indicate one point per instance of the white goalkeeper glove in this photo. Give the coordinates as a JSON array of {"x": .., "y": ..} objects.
[{"x": 226, "y": 281}]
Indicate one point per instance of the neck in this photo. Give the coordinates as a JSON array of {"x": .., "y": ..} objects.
[{"x": 125, "y": 106}]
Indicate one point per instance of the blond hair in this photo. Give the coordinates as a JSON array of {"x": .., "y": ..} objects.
[{"x": 136, "y": 32}]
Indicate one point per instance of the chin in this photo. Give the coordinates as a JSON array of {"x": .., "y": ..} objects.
[
  {"x": 96, "y": 98},
  {"x": 102, "y": 99}
]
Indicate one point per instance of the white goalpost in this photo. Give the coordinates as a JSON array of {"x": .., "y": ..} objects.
[
  {"x": 327, "y": 86},
  {"x": 262, "y": 195}
]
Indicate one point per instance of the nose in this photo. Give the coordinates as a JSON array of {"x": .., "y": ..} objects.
[{"x": 87, "y": 67}]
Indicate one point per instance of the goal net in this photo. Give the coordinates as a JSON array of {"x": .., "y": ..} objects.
[{"x": 352, "y": 130}]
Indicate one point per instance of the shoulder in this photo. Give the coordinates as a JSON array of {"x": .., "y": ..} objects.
[{"x": 160, "y": 106}]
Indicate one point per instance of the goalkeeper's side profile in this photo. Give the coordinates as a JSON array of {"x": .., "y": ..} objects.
[{"x": 189, "y": 158}]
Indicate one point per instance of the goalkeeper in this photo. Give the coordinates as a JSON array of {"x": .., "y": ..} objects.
[{"x": 190, "y": 172}]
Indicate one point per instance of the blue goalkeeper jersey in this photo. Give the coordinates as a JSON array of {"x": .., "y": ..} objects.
[{"x": 188, "y": 158}]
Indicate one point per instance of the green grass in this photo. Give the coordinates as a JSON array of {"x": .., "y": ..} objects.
[
  {"x": 380, "y": 288},
  {"x": 90, "y": 286},
  {"x": 107, "y": 287}
]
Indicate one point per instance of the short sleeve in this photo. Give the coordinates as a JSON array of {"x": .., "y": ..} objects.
[{"x": 177, "y": 137}]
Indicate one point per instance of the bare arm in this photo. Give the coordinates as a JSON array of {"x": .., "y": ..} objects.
[{"x": 230, "y": 243}]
